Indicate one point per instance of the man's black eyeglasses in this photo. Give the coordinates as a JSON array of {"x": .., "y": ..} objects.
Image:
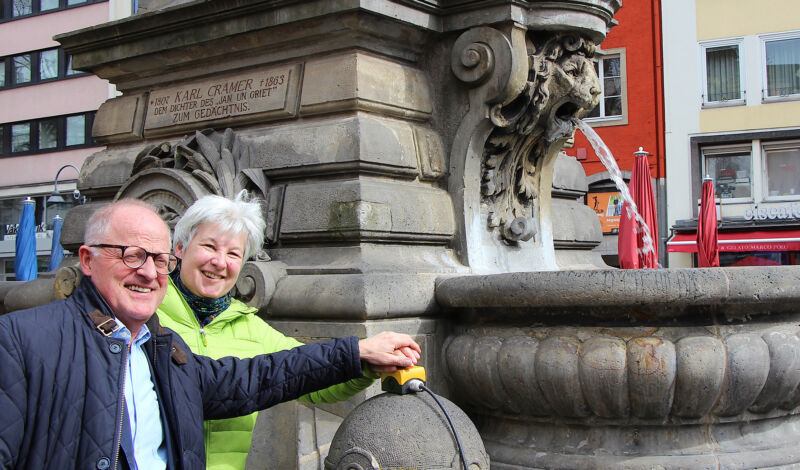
[{"x": 134, "y": 257}]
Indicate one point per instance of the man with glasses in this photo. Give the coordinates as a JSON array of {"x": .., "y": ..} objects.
[{"x": 93, "y": 381}]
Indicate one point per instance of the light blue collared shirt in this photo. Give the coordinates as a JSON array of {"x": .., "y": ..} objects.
[{"x": 144, "y": 414}]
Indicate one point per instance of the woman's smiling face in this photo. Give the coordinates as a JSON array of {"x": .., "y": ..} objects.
[{"x": 211, "y": 261}]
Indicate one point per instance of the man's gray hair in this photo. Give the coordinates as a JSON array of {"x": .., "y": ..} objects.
[
  {"x": 99, "y": 222},
  {"x": 243, "y": 214}
]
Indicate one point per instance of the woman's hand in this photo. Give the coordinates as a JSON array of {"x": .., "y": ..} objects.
[{"x": 388, "y": 351}]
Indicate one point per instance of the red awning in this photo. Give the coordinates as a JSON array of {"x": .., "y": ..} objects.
[{"x": 760, "y": 240}]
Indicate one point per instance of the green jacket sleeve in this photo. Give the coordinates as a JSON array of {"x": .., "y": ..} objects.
[{"x": 277, "y": 341}]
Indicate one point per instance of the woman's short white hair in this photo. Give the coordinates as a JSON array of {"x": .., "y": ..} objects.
[{"x": 243, "y": 214}]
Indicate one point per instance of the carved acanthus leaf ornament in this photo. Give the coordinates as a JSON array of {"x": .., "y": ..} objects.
[{"x": 219, "y": 161}]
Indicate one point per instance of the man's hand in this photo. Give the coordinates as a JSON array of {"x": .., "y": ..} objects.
[{"x": 388, "y": 351}]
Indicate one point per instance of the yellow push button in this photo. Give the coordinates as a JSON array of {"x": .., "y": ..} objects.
[{"x": 399, "y": 380}]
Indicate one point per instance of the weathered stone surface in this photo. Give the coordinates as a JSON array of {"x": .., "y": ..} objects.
[
  {"x": 784, "y": 370},
  {"x": 75, "y": 224},
  {"x": 342, "y": 145},
  {"x": 378, "y": 434},
  {"x": 701, "y": 369},
  {"x": 646, "y": 295},
  {"x": 366, "y": 209},
  {"x": 745, "y": 445},
  {"x": 576, "y": 226},
  {"x": 356, "y": 81},
  {"x": 651, "y": 376},
  {"x": 603, "y": 376},
  {"x": 569, "y": 177},
  {"x": 120, "y": 119},
  {"x": 745, "y": 354},
  {"x": 625, "y": 375},
  {"x": 105, "y": 171},
  {"x": 353, "y": 296}
]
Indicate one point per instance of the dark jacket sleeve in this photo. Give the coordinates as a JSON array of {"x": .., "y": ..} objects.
[
  {"x": 235, "y": 387},
  {"x": 13, "y": 397}
]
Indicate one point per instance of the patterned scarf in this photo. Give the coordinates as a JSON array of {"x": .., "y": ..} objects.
[{"x": 204, "y": 309}]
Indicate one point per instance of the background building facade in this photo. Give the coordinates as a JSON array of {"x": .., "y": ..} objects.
[
  {"x": 46, "y": 111},
  {"x": 630, "y": 115},
  {"x": 732, "y": 87}
]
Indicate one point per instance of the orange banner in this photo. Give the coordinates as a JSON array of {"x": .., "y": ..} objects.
[{"x": 608, "y": 207}]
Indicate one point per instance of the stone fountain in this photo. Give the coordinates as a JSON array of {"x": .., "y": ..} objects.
[{"x": 409, "y": 155}]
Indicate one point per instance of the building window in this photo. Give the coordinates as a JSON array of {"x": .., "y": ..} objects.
[
  {"x": 723, "y": 79},
  {"x": 730, "y": 168},
  {"x": 610, "y": 68},
  {"x": 782, "y": 66},
  {"x": 35, "y": 67},
  {"x": 782, "y": 170},
  {"x": 20, "y": 137},
  {"x": 76, "y": 130},
  {"x": 69, "y": 71},
  {"x": 47, "y": 135},
  {"x": 15, "y": 9},
  {"x": 22, "y": 68},
  {"x": 22, "y": 7},
  {"x": 48, "y": 64}
]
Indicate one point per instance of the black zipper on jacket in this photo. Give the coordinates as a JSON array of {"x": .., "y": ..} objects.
[
  {"x": 121, "y": 408},
  {"x": 161, "y": 380}
]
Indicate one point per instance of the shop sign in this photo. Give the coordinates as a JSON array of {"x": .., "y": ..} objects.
[
  {"x": 11, "y": 229},
  {"x": 791, "y": 211}
]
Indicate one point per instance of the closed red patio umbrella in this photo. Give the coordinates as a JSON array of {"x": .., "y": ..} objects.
[
  {"x": 626, "y": 241},
  {"x": 638, "y": 245},
  {"x": 707, "y": 243}
]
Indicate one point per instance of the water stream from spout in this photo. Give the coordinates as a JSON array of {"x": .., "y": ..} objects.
[{"x": 603, "y": 152}]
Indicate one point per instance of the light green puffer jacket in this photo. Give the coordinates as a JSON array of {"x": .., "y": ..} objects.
[{"x": 237, "y": 332}]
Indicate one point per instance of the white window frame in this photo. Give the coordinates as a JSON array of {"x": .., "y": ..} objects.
[
  {"x": 765, "y": 169},
  {"x": 722, "y": 150},
  {"x": 764, "y": 40},
  {"x": 622, "y": 119},
  {"x": 741, "y": 101}
]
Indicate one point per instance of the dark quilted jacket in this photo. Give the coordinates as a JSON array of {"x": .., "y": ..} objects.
[{"x": 61, "y": 394}]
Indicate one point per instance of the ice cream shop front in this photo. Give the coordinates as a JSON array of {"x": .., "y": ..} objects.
[{"x": 764, "y": 235}]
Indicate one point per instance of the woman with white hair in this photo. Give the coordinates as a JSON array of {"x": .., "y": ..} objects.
[{"x": 213, "y": 239}]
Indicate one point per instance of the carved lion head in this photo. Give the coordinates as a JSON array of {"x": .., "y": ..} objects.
[{"x": 564, "y": 83}]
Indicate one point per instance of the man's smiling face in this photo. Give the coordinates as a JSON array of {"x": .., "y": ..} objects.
[{"x": 132, "y": 294}]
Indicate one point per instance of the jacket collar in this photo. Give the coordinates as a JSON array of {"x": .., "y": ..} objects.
[
  {"x": 99, "y": 313},
  {"x": 100, "y": 316}
]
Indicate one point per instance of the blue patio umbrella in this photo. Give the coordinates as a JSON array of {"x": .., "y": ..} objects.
[
  {"x": 25, "y": 256},
  {"x": 56, "y": 251}
]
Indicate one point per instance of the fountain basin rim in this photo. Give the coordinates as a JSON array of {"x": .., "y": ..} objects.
[{"x": 610, "y": 293}]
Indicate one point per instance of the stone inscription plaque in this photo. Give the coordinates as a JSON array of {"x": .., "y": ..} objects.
[{"x": 254, "y": 92}]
